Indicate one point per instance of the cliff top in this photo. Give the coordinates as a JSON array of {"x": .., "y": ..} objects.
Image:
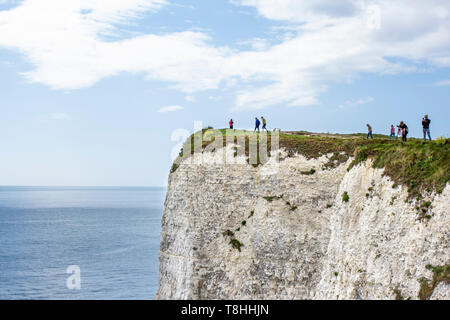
[{"x": 422, "y": 167}]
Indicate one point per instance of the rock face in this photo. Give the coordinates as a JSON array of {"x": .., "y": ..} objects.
[{"x": 282, "y": 231}]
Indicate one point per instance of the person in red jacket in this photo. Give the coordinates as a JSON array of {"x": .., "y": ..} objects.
[
  {"x": 392, "y": 133},
  {"x": 231, "y": 124}
]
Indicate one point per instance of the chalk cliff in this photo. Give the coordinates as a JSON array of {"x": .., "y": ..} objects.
[{"x": 297, "y": 229}]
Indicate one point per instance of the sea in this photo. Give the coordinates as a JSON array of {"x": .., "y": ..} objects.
[{"x": 77, "y": 243}]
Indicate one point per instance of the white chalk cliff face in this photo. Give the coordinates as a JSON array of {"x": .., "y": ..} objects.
[{"x": 298, "y": 239}]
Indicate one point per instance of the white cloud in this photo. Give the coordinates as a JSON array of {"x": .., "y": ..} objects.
[
  {"x": 326, "y": 42},
  {"x": 170, "y": 109},
  {"x": 190, "y": 99},
  {"x": 301, "y": 10},
  {"x": 350, "y": 104},
  {"x": 256, "y": 44},
  {"x": 59, "y": 116},
  {"x": 444, "y": 83},
  {"x": 63, "y": 40},
  {"x": 334, "y": 45}
]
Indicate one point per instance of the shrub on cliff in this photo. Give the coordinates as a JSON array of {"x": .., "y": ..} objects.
[
  {"x": 345, "y": 197},
  {"x": 417, "y": 165}
]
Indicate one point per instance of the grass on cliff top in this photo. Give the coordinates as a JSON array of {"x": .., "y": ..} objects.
[
  {"x": 420, "y": 166},
  {"x": 309, "y": 145}
]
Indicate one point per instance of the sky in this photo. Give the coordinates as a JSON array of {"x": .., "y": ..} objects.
[{"x": 95, "y": 93}]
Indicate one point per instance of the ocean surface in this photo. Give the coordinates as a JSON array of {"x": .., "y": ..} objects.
[{"x": 111, "y": 236}]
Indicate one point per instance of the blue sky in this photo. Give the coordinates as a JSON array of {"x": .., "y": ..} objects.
[{"x": 84, "y": 84}]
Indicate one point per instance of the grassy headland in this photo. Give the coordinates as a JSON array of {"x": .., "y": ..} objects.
[{"x": 420, "y": 166}]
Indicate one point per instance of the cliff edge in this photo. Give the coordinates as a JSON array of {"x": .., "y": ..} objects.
[{"x": 322, "y": 217}]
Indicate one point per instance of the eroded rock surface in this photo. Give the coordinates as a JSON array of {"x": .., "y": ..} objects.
[{"x": 294, "y": 236}]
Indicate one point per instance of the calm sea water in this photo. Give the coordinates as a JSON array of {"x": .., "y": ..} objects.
[{"x": 111, "y": 234}]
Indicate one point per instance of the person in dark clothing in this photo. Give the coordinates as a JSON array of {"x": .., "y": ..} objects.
[
  {"x": 426, "y": 127},
  {"x": 402, "y": 126},
  {"x": 257, "y": 124},
  {"x": 231, "y": 124},
  {"x": 369, "y": 132}
]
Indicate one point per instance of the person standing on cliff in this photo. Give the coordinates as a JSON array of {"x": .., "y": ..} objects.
[
  {"x": 369, "y": 132},
  {"x": 257, "y": 123},
  {"x": 398, "y": 132},
  {"x": 402, "y": 126},
  {"x": 392, "y": 133},
  {"x": 426, "y": 127},
  {"x": 231, "y": 124},
  {"x": 264, "y": 123}
]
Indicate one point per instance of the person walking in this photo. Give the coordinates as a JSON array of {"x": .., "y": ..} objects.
[
  {"x": 369, "y": 132},
  {"x": 231, "y": 124},
  {"x": 426, "y": 127},
  {"x": 392, "y": 133},
  {"x": 402, "y": 126},
  {"x": 257, "y": 123},
  {"x": 264, "y": 122}
]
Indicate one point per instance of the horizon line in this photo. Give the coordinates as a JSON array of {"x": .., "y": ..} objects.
[{"x": 80, "y": 186}]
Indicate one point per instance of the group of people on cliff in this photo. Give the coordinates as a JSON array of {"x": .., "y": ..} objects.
[
  {"x": 403, "y": 129},
  {"x": 257, "y": 124}
]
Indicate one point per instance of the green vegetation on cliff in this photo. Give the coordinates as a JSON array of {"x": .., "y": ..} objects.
[
  {"x": 440, "y": 274},
  {"x": 419, "y": 166}
]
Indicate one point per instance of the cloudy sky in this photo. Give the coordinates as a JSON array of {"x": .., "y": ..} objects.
[{"x": 92, "y": 91}]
